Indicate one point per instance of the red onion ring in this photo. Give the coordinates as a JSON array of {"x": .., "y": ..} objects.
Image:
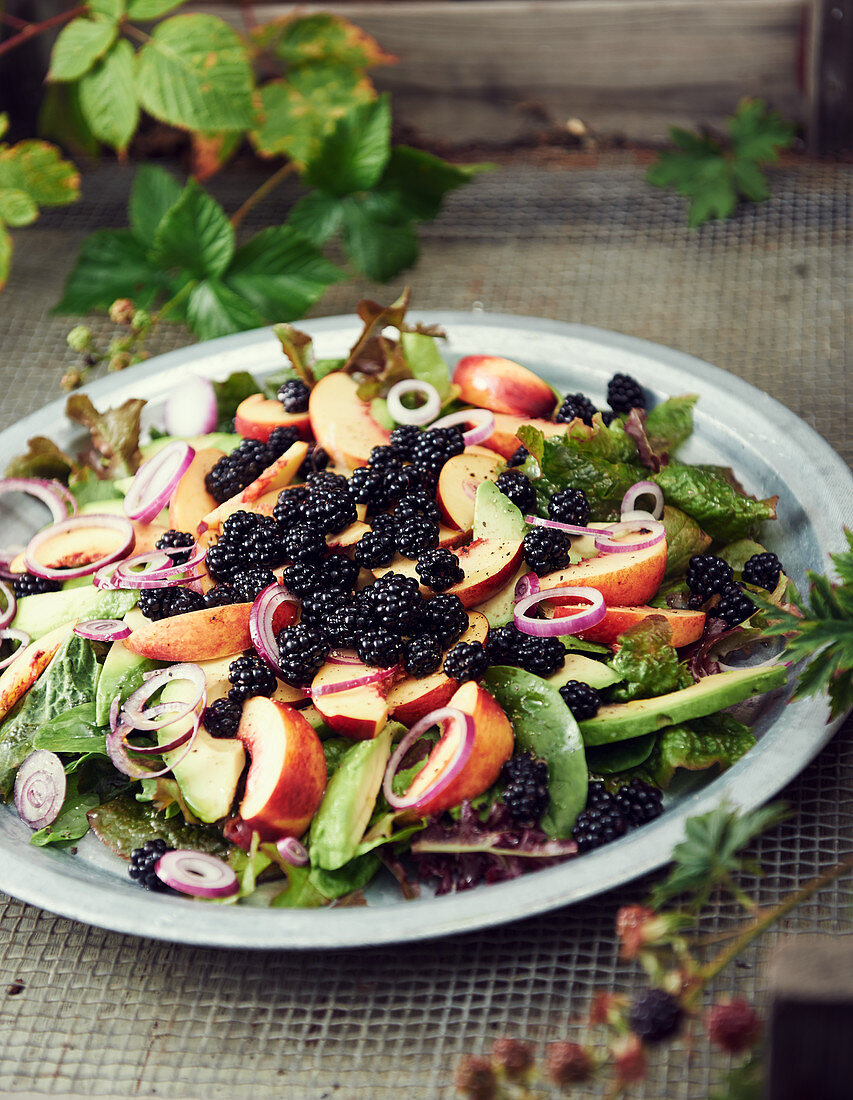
[
  {"x": 40, "y": 789},
  {"x": 643, "y": 488},
  {"x": 73, "y": 523},
  {"x": 160, "y": 572},
  {"x": 574, "y": 624},
  {"x": 373, "y": 677},
  {"x": 636, "y": 513},
  {"x": 261, "y": 618},
  {"x": 527, "y": 585},
  {"x": 483, "y": 420},
  {"x": 569, "y": 528},
  {"x": 133, "y": 713},
  {"x": 423, "y": 413},
  {"x": 155, "y": 481},
  {"x": 103, "y": 630},
  {"x": 439, "y": 717},
  {"x": 168, "y": 712},
  {"x": 191, "y": 408},
  {"x": 196, "y": 873},
  {"x": 49, "y": 492},
  {"x": 343, "y": 657},
  {"x": 605, "y": 544},
  {"x": 12, "y": 632},
  {"x": 11, "y": 605},
  {"x": 117, "y": 750},
  {"x": 291, "y": 851}
]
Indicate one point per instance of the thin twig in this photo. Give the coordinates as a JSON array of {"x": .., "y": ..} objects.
[
  {"x": 265, "y": 189},
  {"x": 32, "y": 30},
  {"x": 13, "y": 20}
]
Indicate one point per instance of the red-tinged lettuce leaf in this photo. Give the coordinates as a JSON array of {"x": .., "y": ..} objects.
[
  {"x": 684, "y": 538},
  {"x": 113, "y": 450},
  {"x": 42, "y": 459},
  {"x": 371, "y": 352},
  {"x": 650, "y": 456},
  {"x": 647, "y": 662},
  {"x": 718, "y": 740},
  {"x": 123, "y": 824},
  {"x": 716, "y": 505},
  {"x": 670, "y": 423}
]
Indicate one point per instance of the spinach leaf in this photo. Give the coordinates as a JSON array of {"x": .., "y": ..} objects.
[
  {"x": 648, "y": 662},
  {"x": 697, "y": 745},
  {"x": 738, "y": 553},
  {"x": 684, "y": 538},
  {"x": 670, "y": 423},
  {"x": 76, "y": 730},
  {"x": 716, "y": 505},
  {"x": 354, "y": 875},
  {"x": 426, "y": 362},
  {"x": 544, "y": 725},
  {"x": 621, "y": 755},
  {"x": 87, "y": 487},
  {"x": 72, "y": 822}
]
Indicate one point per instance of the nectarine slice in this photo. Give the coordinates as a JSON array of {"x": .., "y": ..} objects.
[
  {"x": 195, "y": 636},
  {"x": 503, "y": 386},
  {"x": 457, "y": 486},
  {"x": 30, "y": 662},
  {"x": 687, "y": 626},
  {"x": 258, "y": 416},
  {"x": 191, "y": 501},
  {"x": 626, "y": 579},
  {"x": 504, "y": 439},
  {"x": 341, "y": 421}
]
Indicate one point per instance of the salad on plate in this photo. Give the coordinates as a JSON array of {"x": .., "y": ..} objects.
[{"x": 370, "y": 613}]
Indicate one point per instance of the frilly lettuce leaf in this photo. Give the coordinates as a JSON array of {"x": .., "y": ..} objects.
[
  {"x": 670, "y": 423},
  {"x": 684, "y": 538},
  {"x": 114, "y": 447},
  {"x": 697, "y": 745},
  {"x": 710, "y": 499},
  {"x": 647, "y": 662},
  {"x": 42, "y": 459}
]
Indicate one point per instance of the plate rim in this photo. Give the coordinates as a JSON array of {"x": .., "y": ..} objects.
[{"x": 177, "y": 920}]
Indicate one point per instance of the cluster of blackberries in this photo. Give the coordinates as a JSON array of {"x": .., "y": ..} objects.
[
  {"x": 623, "y": 394},
  {"x": 294, "y": 395},
  {"x": 234, "y": 471},
  {"x": 143, "y": 861},
  {"x": 507, "y": 645},
  {"x": 581, "y": 699},
  {"x": 608, "y": 816},
  {"x": 28, "y": 584},
  {"x": 176, "y": 544},
  {"x": 525, "y": 793},
  {"x": 546, "y": 549},
  {"x": 709, "y": 576}
]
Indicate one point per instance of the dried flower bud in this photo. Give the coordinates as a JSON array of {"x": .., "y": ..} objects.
[
  {"x": 119, "y": 361},
  {"x": 567, "y": 1063},
  {"x": 629, "y": 1059},
  {"x": 140, "y": 320},
  {"x": 122, "y": 311},
  {"x": 79, "y": 338},
  {"x": 71, "y": 380},
  {"x": 637, "y": 927},
  {"x": 514, "y": 1057},
  {"x": 476, "y": 1079},
  {"x": 734, "y": 1025},
  {"x": 608, "y": 1008}
]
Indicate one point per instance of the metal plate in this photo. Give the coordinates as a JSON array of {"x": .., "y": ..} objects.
[{"x": 771, "y": 450}]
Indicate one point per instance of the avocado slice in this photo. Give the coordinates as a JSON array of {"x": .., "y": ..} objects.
[
  {"x": 122, "y": 671},
  {"x": 495, "y": 516},
  {"x": 348, "y": 803},
  {"x": 618, "y": 721},
  {"x": 38, "y": 615},
  {"x": 498, "y": 608},
  {"x": 584, "y": 669}
]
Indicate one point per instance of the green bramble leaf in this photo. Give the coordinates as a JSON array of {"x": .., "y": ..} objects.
[
  {"x": 415, "y": 182},
  {"x": 155, "y": 191},
  {"x": 111, "y": 264},
  {"x": 61, "y": 118},
  {"x": 758, "y": 134},
  {"x": 377, "y": 245},
  {"x": 195, "y": 73},
  {"x": 107, "y": 97},
  {"x": 194, "y": 235},
  {"x": 145, "y": 10},
  {"x": 354, "y": 155},
  {"x": 308, "y": 39},
  {"x": 317, "y": 216},
  {"x": 79, "y": 46},
  {"x": 109, "y": 9},
  {"x": 215, "y": 310},
  {"x": 4, "y": 122},
  {"x": 17, "y": 207},
  {"x": 5, "y": 254},
  {"x": 38, "y": 168}
]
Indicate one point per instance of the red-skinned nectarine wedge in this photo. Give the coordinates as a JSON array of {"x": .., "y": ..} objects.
[
  {"x": 687, "y": 626},
  {"x": 503, "y": 386},
  {"x": 191, "y": 501},
  {"x": 360, "y": 712},
  {"x": 258, "y": 416},
  {"x": 457, "y": 486},
  {"x": 195, "y": 636},
  {"x": 341, "y": 421},
  {"x": 29, "y": 664},
  {"x": 504, "y": 439},
  {"x": 626, "y": 579},
  {"x": 287, "y": 773},
  {"x": 488, "y": 565}
]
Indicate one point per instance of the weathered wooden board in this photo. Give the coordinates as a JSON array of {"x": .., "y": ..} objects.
[{"x": 488, "y": 69}]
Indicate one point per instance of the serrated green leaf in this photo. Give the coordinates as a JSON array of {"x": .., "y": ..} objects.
[
  {"x": 109, "y": 9},
  {"x": 145, "y": 10},
  {"x": 195, "y": 73},
  {"x": 108, "y": 97},
  {"x": 381, "y": 249},
  {"x": 61, "y": 118},
  {"x": 79, "y": 46},
  {"x": 353, "y": 156},
  {"x": 111, "y": 264},
  {"x": 155, "y": 191},
  {"x": 280, "y": 273},
  {"x": 38, "y": 168},
  {"x": 17, "y": 207},
  {"x": 4, "y": 122},
  {"x": 297, "y": 113},
  {"x": 5, "y": 254},
  {"x": 758, "y": 134},
  {"x": 751, "y": 181},
  {"x": 416, "y": 182},
  {"x": 321, "y": 37},
  {"x": 317, "y": 216},
  {"x": 215, "y": 310},
  {"x": 195, "y": 235},
  {"x": 715, "y": 198}
]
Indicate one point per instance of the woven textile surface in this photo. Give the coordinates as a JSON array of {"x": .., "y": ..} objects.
[{"x": 767, "y": 297}]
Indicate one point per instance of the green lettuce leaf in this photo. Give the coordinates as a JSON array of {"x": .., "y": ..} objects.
[
  {"x": 697, "y": 745},
  {"x": 229, "y": 393},
  {"x": 42, "y": 459},
  {"x": 716, "y": 505},
  {"x": 647, "y": 662},
  {"x": 684, "y": 538},
  {"x": 75, "y": 730},
  {"x": 114, "y": 448},
  {"x": 426, "y": 362},
  {"x": 670, "y": 423},
  {"x": 123, "y": 824},
  {"x": 738, "y": 553}
]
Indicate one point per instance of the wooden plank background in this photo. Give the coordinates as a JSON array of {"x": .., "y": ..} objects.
[{"x": 497, "y": 70}]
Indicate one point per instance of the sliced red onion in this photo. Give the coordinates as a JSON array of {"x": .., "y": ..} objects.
[
  {"x": 40, "y": 789},
  {"x": 652, "y": 530},
  {"x": 236, "y": 831},
  {"x": 569, "y": 528},
  {"x": 137, "y": 717},
  {"x": 425, "y": 412},
  {"x": 343, "y": 657},
  {"x": 103, "y": 630},
  {"x": 483, "y": 420},
  {"x": 261, "y": 619},
  {"x": 52, "y": 493},
  {"x": 442, "y": 717},
  {"x": 375, "y": 676},
  {"x": 191, "y": 408},
  {"x": 167, "y": 710},
  {"x": 291, "y": 851},
  {"x": 574, "y": 624},
  {"x": 13, "y": 634},
  {"x": 640, "y": 489},
  {"x": 527, "y": 585},
  {"x": 7, "y": 556},
  {"x": 637, "y": 513},
  {"x": 155, "y": 481},
  {"x": 8, "y": 613},
  {"x": 196, "y": 873},
  {"x": 117, "y": 750},
  {"x": 158, "y": 570},
  {"x": 74, "y": 523}
]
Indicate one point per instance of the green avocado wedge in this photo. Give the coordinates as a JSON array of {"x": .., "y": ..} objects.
[
  {"x": 544, "y": 725},
  {"x": 38, "y": 615},
  {"x": 586, "y": 671},
  {"x": 618, "y": 721}
]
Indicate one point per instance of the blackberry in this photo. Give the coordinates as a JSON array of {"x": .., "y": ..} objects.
[
  {"x": 466, "y": 661},
  {"x": 384, "y": 523},
  {"x": 581, "y": 699},
  {"x": 317, "y": 605},
  {"x": 502, "y": 645},
  {"x": 222, "y": 717},
  {"x": 598, "y": 824},
  {"x": 302, "y": 652},
  {"x": 239, "y": 526},
  {"x": 541, "y": 656},
  {"x": 250, "y": 583},
  {"x": 404, "y": 438},
  {"x": 734, "y": 606},
  {"x": 163, "y": 603},
  {"x": 224, "y": 559},
  {"x": 707, "y": 574},
  {"x": 417, "y": 504},
  {"x": 233, "y": 472},
  {"x": 28, "y": 584},
  {"x": 220, "y": 595},
  {"x": 546, "y": 549},
  {"x": 330, "y": 512},
  {"x": 639, "y": 802},
  {"x": 327, "y": 481},
  {"x": 179, "y": 541},
  {"x": 415, "y": 534},
  {"x": 301, "y": 579},
  {"x": 279, "y": 441},
  {"x": 576, "y": 405},
  {"x": 341, "y": 626},
  {"x": 375, "y": 548},
  {"x": 526, "y": 794},
  {"x": 384, "y": 456},
  {"x": 518, "y": 457},
  {"x": 288, "y": 509},
  {"x": 305, "y": 543},
  {"x": 250, "y": 675},
  {"x": 655, "y": 1015},
  {"x": 339, "y": 572},
  {"x": 316, "y": 460},
  {"x": 517, "y": 488},
  {"x": 266, "y": 544},
  {"x": 569, "y": 506},
  {"x": 445, "y": 618},
  {"x": 598, "y": 795},
  {"x": 394, "y": 603},
  {"x": 439, "y": 570},
  {"x": 143, "y": 861},
  {"x": 433, "y": 448},
  {"x": 367, "y": 486},
  {"x": 396, "y": 483},
  {"x": 422, "y": 655},
  {"x": 762, "y": 570},
  {"x": 379, "y": 647},
  {"x": 294, "y": 396},
  {"x": 625, "y": 393}
]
